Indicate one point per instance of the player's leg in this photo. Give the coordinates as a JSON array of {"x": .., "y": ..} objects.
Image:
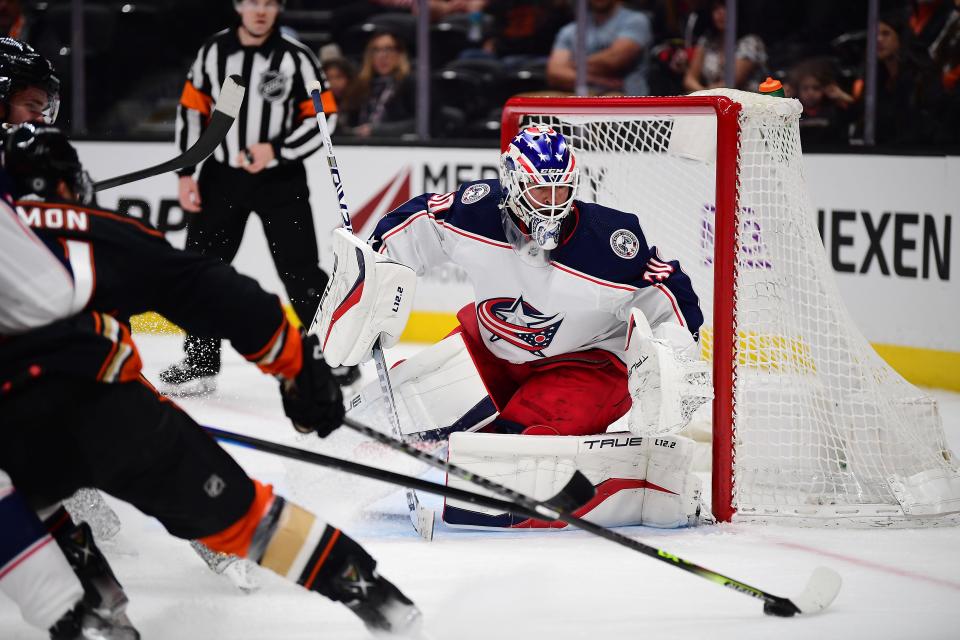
[
  {"x": 582, "y": 396},
  {"x": 163, "y": 463},
  {"x": 216, "y": 231},
  {"x": 33, "y": 572}
]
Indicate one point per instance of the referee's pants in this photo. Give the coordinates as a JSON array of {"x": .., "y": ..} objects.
[{"x": 281, "y": 198}]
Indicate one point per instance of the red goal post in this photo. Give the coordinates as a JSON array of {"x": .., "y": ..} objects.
[{"x": 798, "y": 424}]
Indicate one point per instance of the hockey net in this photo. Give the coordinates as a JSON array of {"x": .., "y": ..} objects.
[{"x": 809, "y": 424}]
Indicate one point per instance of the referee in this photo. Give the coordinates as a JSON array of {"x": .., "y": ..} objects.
[{"x": 258, "y": 167}]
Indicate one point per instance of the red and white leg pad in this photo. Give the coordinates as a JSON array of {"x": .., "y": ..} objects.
[
  {"x": 640, "y": 480},
  {"x": 437, "y": 391}
]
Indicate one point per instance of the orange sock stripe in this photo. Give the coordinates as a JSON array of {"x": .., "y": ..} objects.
[
  {"x": 290, "y": 359},
  {"x": 323, "y": 558},
  {"x": 237, "y": 537}
]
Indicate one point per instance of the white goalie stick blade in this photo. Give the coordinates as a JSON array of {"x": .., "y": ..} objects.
[
  {"x": 224, "y": 113},
  {"x": 821, "y": 591},
  {"x": 421, "y": 517}
]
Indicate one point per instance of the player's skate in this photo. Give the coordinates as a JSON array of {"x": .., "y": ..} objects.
[
  {"x": 188, "y": 378},
  {"x": 239, "y": 571},
  {"x": 381, "y": 605},
  {"x": 103, "y": 596},
  {"x": 84, "y": 623}
]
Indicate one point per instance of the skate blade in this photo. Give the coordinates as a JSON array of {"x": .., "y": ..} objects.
[{"x": 192, "y": 388}]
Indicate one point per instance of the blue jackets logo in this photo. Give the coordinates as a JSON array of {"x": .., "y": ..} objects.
[{"x": 518, "y": 323}]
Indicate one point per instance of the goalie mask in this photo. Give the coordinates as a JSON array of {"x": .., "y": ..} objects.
[
  {"x": 539, "y": 178},
  {"x": 38, "y": 158}
]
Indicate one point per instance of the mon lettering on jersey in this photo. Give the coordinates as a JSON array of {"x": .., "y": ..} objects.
[{"x": 122, "y": 267}]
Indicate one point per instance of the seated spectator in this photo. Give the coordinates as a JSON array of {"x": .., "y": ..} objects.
[
  {"x": 440, "y": 9},
  {"x": 706, "y": 68},
  {"x": 13, "y": 24},
  {"x": 618, "y": 40},
  {"x": 927, "y": 18},
  {"x": 945, "y": 50},
  {"x": 909, "y": 93},
  {"x": 340, "y": 76},
  {"x": 524, "y": 30},
  {"x": 382, "y": 100},
  {"x": 825, "y": 104}
]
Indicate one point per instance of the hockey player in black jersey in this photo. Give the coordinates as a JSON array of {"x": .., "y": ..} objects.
[{"x": 78, "y": 413}]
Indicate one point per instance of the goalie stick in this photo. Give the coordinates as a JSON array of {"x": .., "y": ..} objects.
[
  {"x": 421, "y": 517},
  {"x": 821, "y": 590},
  {"x": 224, "y": 113}
]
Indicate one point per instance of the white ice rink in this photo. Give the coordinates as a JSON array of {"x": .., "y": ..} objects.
[{"x": 544, "y": 584}]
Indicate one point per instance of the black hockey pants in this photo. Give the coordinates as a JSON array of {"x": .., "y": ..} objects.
[{"x": 60, "y": 434}]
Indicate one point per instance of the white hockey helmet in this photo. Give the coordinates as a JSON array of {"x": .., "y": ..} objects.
[{"x": 539, "y": 178}]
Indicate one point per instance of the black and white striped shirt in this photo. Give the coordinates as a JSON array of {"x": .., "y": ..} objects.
[{"x": 276, "y": 109}]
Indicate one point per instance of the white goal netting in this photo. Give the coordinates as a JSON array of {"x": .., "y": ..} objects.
[{"x": 823, "y": 429}]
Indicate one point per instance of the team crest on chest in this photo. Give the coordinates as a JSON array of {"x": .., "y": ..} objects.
[
  {"x": 474, "y": 192},
  {"x": 625, "y": 243},
  {"x": 518, "y": 323},
  {"x": 274, "y": 85}
]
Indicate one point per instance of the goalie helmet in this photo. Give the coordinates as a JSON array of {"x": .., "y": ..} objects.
[
  {"x": 21, "y": 66},
  {"x": 539, "y": 178},
  {"x": 38, "y": 157}
]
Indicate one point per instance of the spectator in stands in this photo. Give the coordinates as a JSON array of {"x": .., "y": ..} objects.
[
  {"x": 13, "y": 24},
  {"x": 440, "y": 9},
  {"x": 340, "y": 76},
  {"x": 382, "y": 100},
  {"x": 617, "y": 40},
  {"x": 825, "y": 104},
  {"x": 945, "y": 50},
  {"x": 927, "y": 18},
  {"x": 706, "y": 68},
  {"x": 909, "y": 92},
  {"x": 524, "y": 30}
]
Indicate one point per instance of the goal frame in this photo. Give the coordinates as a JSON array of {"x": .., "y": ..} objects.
[{"x": 726, "y": 245}]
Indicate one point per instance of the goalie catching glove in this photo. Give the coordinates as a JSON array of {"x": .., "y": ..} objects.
[
  {"x": 312, "y": 400},
  {"x": 668, "y": 381},
  {"x": 369, "y": 296}
]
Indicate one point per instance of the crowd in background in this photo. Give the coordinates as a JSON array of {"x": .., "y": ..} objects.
[{"x": 484, "y": 51}]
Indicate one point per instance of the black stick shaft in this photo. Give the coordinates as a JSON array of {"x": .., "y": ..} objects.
[
  {"x": 371, "y": 472},
  {"x": 450, "y": 468},
  {"x": 532, "y": 505}
]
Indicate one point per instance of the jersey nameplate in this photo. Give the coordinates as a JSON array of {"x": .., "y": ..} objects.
[{"x": 43, "y": 218}]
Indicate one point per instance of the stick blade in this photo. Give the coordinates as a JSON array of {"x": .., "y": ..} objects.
[
  {"x": 577, "y": 492},
  {"x": 231, "y": 96},
  {"x": 821, "y": 591},
  {"x": 421, "y": 518}
]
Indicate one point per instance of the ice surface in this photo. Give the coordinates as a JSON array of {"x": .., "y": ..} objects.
[{"x": 545, "y": 584}]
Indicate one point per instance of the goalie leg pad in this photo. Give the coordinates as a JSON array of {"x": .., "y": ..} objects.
[
  {"x": 369, "y": 296},
  {"x": 667, "y": 379},
  {"x": 437, "y": 391},
  {"x": 639, "y": 480}
]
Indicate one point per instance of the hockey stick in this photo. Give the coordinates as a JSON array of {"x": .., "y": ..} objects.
[
  {"x": 820, "y": 591},
  {"x": 421, "y": 517},
  {"x": 224, "y": 113},
  {"x": 576, "y": 493}
]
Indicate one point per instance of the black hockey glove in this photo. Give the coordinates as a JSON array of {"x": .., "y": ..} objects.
[{"x": 312, "y": 400}]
